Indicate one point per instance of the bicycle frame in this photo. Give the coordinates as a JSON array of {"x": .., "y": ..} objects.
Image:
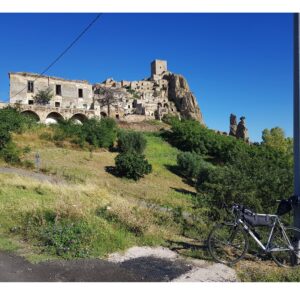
[{"x": 267, "y": 247}]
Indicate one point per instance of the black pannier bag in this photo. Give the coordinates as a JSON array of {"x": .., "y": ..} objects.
[
  {"x": 284, "y": 207},
  {"x": 254, "y": 219}
]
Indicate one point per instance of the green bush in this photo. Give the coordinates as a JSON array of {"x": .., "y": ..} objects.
[
  {"x": 47, "y": 136},
  {"x": 62, "y": 236},
  {"x": 190, "y": 164},
  {"x": 98, "y": 133},
  {"x": 28, "y": 164},
  {"x": 132, "y": 165},
  {"x": 190, "y": 135},
  {"x": 5, "y": 136},
  {"x": 101, "y": 133},
  {"x": 170, "y": 119},
  {"x": 10, "y": 153},
  {"x": 131, "y": 141},
  {"x": 255, "y": 178},
  {"x": 13, "y": 121}
]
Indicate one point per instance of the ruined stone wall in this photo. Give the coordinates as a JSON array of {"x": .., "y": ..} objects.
[{"x": 69, "y": 97}]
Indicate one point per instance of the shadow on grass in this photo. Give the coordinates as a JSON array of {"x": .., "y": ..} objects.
[
  {"x": 199, "y": 251},
  {"x": 175, "y": 170},
  {"x": 112, "y": 170},
  {"x": 184, "y": 192}
]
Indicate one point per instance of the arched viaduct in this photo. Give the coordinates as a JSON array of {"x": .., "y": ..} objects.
[{"x": 46, "y": 114}]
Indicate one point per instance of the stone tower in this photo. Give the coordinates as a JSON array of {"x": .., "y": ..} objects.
[{"x": 158, "y": 67}]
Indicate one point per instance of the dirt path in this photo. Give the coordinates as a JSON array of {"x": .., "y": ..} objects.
[
  {"x": 138, "y": 264},
  {"x": 31, "y": 174}
]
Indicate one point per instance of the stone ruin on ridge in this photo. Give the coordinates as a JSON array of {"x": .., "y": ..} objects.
[{"x": 151, "y": 98}]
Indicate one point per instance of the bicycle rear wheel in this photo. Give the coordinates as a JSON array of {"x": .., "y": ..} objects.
[
  {"x": 227, "y": 243},
  {"x": 286, "y": 253}
]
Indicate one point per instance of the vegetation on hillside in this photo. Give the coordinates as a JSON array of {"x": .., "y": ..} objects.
[
  {"x": 11, "y": 121},
  {"x": 236, "y": 172},
  {"x": 131, "y": 162},
  {"x": 93, "y": 213}
]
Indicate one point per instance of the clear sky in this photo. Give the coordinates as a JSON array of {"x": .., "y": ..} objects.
[{"x": 234, "y": 63}]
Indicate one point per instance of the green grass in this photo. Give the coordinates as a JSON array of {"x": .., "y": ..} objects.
[
  {"x": 88, "y": 187},
  {"x": 7, "y": 244},
  {"x": 265, "y": 272}
]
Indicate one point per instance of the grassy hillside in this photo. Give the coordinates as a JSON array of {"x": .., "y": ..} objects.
[
  {"x": 115, "y": 212},
  {"x": 91, "y": 212}
]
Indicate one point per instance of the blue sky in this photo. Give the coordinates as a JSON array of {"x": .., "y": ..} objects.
[{"x": 234, "y": 63}]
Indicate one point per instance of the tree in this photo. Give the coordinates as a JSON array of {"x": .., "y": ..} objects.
[
  {"x": 275, "y": 138},
  {"x": 107, "y": 96},
  {"x": 132, "y": 165},
  {"x": 43, "y": 97}
]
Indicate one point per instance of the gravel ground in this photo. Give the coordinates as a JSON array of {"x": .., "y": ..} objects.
[
  {"x": 138, "y": 264},
  {"x": 193, "y": 270}
]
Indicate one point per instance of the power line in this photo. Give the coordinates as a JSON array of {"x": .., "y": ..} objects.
[{"x": 64, "y": 51}]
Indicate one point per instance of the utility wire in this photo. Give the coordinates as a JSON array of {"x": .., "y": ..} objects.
[{"x": 64, "y": 51}]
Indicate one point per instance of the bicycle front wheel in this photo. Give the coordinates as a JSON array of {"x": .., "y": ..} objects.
[
  {"x": 227, "y": 243},
  {"x": 285, "y": 249}
]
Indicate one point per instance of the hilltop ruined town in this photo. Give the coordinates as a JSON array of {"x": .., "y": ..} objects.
[
  {"x": 163, "y": 93},
  {"x": 151, "y": 98}
]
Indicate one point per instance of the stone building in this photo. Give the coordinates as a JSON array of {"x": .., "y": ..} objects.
[
  {"x": 150, "y": 98},
  {"x": 66, "y": 93}
]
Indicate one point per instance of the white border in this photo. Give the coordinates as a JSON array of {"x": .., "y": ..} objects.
[
  {"x": 150, "y": 6},
  {"x": 151, "y": 291},
  {"x": 146, "y": 291}
]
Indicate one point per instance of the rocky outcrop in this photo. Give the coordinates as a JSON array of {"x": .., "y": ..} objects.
[
  {"x": 242, "y": 131},
  {"x": 180, "y": 93},
  {"x": 239, "y": 131},
  {"x": 233, "y": 125}
]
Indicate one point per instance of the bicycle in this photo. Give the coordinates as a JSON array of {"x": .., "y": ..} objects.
[{"x": 228, "y": 242}]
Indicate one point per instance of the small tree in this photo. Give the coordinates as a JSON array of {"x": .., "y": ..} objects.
[
  {"x": 275, "y": 138},
  {"x": 43, "y": 97},
  {"x": 131, "y": 141},
  {"x": 107, "y": 96},
  {"x": 132, "y": 165}
]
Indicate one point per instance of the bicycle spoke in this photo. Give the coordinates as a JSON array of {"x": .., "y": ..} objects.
[{"x": 227, "y": 243}]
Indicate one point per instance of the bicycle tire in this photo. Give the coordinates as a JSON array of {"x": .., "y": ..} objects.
[
  {"x": 286, "y": 257},
  {"x": 227, "y": 243}
]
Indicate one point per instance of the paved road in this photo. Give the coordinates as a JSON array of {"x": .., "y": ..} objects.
[{"x": 14, "y": 268}]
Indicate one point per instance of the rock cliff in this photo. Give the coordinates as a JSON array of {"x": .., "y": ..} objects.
[{"x": 180, "y": 93}]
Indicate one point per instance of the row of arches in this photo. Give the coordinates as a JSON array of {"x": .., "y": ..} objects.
[{"x": 55, "y": 117}]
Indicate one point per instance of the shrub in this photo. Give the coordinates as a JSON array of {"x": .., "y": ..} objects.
[
  {"x": 190, "y": 135},
  {"x": 5, "y": 137},
  {"x": 61, "y": 236},
  {"x": 43, "y": 97},
  {"x": 256, "y": 178},
  {"x": 130, "y": 141},
  {"x": 170, "y": 119},
  {"x": 26, "y": 149},
  {"x": 189, "y": 164},
  {"x": 101, "y": 133},
  {"x": 98, "y": 133},
  {"x": 47, "y": 136},
  {"x": 132, "y": 165},
  {"x": 28, "y": 164},
  {"x": 13, "y": 121},
  {"x": 10, "y": 153}
]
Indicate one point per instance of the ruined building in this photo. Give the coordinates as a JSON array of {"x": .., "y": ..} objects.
[{"x": 150, "y": 98}]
